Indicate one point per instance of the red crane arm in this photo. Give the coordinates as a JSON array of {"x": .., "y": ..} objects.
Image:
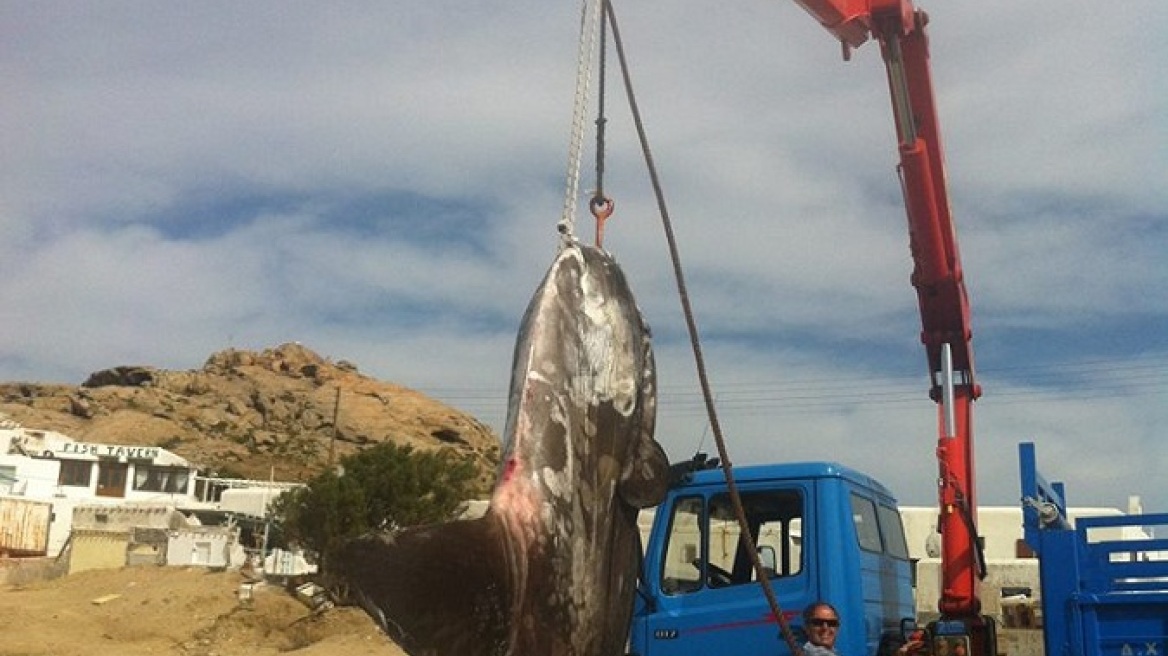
[{"x": 937, "y": 274}]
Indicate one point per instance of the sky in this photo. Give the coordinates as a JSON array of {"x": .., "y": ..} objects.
[{"x": 381, "y": 181}]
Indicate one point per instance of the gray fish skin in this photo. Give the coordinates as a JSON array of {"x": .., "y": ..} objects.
[{"x": 551, "y": 568}]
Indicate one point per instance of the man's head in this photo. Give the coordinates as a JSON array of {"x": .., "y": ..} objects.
[{"x": 821, "y": 623}]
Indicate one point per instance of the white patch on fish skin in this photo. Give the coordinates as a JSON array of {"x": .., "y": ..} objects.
[
  {"x": 557, "y": 483},
  {"x": 604, "y": 347}
]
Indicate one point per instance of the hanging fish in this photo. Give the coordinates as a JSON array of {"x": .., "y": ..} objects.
[{"x": 551, "y": 568}]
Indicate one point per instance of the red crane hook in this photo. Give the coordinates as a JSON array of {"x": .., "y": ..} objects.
[{"x": 601, "y": 207}]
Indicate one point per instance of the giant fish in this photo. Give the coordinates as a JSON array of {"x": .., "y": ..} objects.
[{"x": 551, "y": 568}]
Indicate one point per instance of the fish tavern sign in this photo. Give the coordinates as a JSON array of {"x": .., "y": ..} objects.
[{"x": 110, "y": 451}]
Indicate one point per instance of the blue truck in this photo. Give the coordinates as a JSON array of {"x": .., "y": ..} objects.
[
  {"x": 823, "y": 531},
  {"x": 1104, "y": 581}
]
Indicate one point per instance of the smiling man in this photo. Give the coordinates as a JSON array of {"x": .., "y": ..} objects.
[{"x": 821, "y": 622}]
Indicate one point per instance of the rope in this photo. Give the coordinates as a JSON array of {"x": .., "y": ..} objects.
[
  {"x": 695, "y": 342},
  {"x": 589, "y": 21}
]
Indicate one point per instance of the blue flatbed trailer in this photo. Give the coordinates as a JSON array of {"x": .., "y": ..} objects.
[{"x": 1101, "y": 595}]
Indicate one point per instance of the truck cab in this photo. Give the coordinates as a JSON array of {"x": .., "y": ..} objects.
[{"x": 824, "y": 532}]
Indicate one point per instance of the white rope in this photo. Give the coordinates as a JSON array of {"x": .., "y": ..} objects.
[{"x": 590, "y": 16}]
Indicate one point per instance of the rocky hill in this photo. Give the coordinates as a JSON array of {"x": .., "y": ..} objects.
[{"x": 248, "y": 414}]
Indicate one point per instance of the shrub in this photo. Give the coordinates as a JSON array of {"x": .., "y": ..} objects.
[{"x": 384, "y": 487}]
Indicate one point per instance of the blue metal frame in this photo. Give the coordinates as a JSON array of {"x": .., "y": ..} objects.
[{"x": 1098, "y": 596}]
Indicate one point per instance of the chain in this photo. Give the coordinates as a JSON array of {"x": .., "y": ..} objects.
[{"x": 598, "y": 195}]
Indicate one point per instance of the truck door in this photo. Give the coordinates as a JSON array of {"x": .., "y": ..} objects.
[
  {"x": 885, "y": 569},
  {"x": 703, "y": 593}
]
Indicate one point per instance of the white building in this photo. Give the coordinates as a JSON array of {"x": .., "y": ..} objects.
[
  {"x": 80, "y": 479},
  {"x": 47, "y": 464}
]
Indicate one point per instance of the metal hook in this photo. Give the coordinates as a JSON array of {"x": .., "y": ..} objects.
[{"x": 601, "y": 207}]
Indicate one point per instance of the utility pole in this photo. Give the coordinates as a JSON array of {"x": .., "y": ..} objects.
[{"x": 336, "y": 415}]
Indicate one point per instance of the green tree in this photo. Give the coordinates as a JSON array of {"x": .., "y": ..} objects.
[{"x": 384, "y": 487}]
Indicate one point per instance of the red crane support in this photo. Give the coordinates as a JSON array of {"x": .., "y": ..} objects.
[{"x": 938, "y": 279}]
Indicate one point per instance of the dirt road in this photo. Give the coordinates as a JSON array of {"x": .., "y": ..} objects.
[{"x": 144, "y": 611}]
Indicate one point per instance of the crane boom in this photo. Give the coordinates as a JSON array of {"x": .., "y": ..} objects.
[{"x": 937, "y": 276}]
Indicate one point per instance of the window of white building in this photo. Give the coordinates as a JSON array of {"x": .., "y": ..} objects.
[
  {"x": 171, "y": 480},
  {"x": 76, "y": 473}
]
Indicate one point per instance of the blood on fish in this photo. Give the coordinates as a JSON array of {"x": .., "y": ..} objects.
[{"x": 509, "y": 469}]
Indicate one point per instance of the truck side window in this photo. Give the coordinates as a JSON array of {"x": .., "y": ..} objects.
[
  {"x": 892, "y": 528},
  {"x": 774, "y": 518},
  {"x": 682, "y": 570},
  {"x": 867, "y": 529}
]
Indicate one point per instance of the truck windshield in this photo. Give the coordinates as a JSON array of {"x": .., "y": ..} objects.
[{"x": 706, "y": 548}]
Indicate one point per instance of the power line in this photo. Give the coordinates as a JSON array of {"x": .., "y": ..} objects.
[{"x": 1082, "y": 380}]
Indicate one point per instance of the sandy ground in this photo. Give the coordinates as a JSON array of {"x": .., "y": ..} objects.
[{"x": 167, "y": 610}]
